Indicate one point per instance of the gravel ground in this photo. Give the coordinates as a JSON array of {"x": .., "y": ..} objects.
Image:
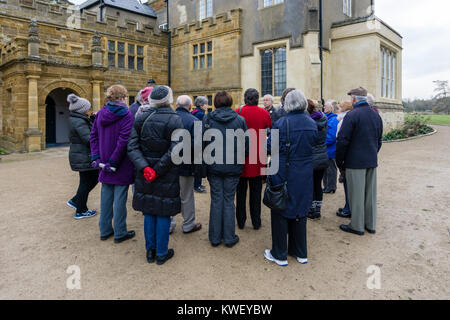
[{"x": 40, "y": 240}]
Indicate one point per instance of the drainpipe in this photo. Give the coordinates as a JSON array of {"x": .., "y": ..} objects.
[
  {"x": 169, "y": 49},
  {"x": 321, "y": 49},
  {"x": 101, "y": 9}
]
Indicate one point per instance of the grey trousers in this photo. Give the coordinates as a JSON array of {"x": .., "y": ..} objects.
[
  {"x": 330, "y": 176},
  {"x": 113, "y": 205},
  {"x": 187, "y": 203},
  {"x": 362, "y": 197},
  {"x": 222, "y": 223}
]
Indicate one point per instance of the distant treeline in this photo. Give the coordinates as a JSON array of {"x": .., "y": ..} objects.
[{"x": 427, "y": 105}]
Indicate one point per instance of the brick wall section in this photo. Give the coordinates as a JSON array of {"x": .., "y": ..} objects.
[
  {"x": 224, "y": 30},
  {"x": 65, "y": 61}
]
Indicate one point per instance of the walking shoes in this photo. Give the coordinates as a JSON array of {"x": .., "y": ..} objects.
[
  {"x": 347, "y": 228},
  {"x": 128, "y": 236},
  {"x": 269, "y": 257},
  {"x": 164, "y": 259},
  {"x": 87, "y": 214},
  {"x": 72, "y": 204}
]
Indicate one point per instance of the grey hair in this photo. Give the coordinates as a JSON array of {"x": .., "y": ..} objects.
[
  {"x": 184, "y": 102},
  {"x": 270, "y": 96},
  {"x": 333, "y": 104},
  {"x": 200, "y": 101},
  {"x": 295, "y": 100},
  {"x": 370, "y": 99},
  {"x": 360, "y": 98},
  {"x": 139, "y": 97}
]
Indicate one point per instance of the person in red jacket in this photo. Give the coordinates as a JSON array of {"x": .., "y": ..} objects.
[{"x": 257, "y": 119}]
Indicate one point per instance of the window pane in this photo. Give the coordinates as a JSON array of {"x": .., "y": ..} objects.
[
  {"x": 393, "y": 77},
  {"x": 130, "y": 62},
  {"x": 266, "y": 72},
  {"x": 280, "y": 71},
  {"x": 196, "y": 49},
  {"x": 209, "y": 46},
  {"x": 202, "y": 48},
  {"x": 111, "y": 45},
  {"x": 201, "y": 9},
  {"x": 140, "y": 50},
  {"x": 267, "y": 3},
  {"x": 121, "y": 47},
  {"x": 140, "y": 63},
  {"x": 202, "y": 62},
  {"x": 131, "y": 49},
  {"x": 209, "y": 8},
  {"x": 209, "y": 60},
  {"x": 121, "y": 61},
  {"x": 111, "y": 59},
  {"x": 195, "y": 63}
]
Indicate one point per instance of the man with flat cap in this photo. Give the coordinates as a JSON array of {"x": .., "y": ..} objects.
[{"x": 358, "y": 144}]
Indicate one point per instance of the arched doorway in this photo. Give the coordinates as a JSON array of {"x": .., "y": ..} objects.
[{"x": 57, "y": 117}]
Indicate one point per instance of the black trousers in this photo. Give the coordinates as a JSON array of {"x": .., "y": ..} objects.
[
  {"x": 255, "y": 201},
  {"x": 88, "y": 181},
  {"x": 288, "y": 237},
  {"x": 318, "y": 192}
]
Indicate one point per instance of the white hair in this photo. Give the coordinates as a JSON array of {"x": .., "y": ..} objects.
[
  {"x": 270, "y": 96},
  {"x": 295, "y": 100},
  {"x": 370, "y": 99},
  {"x": 139, "y": 97},
  {"x": 184, "y": 102}
]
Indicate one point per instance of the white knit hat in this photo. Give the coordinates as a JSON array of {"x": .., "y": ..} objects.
[
  {"x": 161, "y": 95},
  {"x": 77, "y": 104}
]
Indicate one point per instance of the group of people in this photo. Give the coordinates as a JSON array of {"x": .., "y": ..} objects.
[{"x": 121, "y": 146}]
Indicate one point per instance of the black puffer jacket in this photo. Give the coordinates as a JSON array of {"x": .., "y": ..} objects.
[
  {"x": 79, "y": 135},
  {"x": 320, "y": 153},
  {"x": 223, "y": 119},
  {"x": 151, "y": 146}
]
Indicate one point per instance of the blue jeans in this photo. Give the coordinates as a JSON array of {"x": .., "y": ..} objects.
[
  {"x": 222, "y": 223},
  {"x": 113, "y": 205},
  {"x": 156, "y": 230}
]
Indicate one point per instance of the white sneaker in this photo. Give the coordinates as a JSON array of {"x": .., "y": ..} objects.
[
  {"x": 302, "y": 261},
  {"x": 269, "y": 257}
]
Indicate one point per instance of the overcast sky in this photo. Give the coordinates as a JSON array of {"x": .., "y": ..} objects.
[{"x": 425, "y": 28}]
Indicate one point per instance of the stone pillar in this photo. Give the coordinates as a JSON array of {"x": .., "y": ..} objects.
[
  {"x": 97, "y": 53},
  {"x": 33, "y": 39},
  {"x": 96, "y": 97},
  {"x": 32, "y": 134}
]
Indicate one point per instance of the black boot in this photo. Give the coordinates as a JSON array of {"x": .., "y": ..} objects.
[
  {"x": 151, "y": 255},
  {"x": 312, "y": 210},
  {"x": 317, "y": 209},
  {"x": 162, "y": 260}
]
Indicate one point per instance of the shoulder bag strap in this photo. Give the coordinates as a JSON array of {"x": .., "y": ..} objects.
[{"x": 148, "y": 118}]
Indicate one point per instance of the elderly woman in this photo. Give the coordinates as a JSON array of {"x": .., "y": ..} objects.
[
  {"x": 80, "y": 155},
  {"x": 201, "y": 105},
  {"x": 330, "y": 176},
  {"x": 344, "y": 108},
  {"x": 157, "y": 186},
  {"x": 320, "y": 156},
  {"x": 289, "y": 226}
]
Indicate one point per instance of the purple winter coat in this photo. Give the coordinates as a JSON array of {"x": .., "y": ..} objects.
[{"x": 109, "y": 139}]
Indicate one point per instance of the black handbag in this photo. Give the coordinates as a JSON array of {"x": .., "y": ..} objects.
[{"x": 275, "y": 197}]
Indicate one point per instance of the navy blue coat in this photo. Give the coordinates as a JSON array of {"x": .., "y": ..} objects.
[
  {"x": 303, "y": 136},
  {"x": 198, "y": 113},
  {"x": 187, "y": 170},
  {"x": 360, "y": 138}
]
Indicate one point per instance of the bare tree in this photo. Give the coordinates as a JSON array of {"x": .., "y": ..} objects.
[{"x": 442, "y": 92}]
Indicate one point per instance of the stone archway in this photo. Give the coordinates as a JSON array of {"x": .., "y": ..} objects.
[{"x": 57, "y": 90}]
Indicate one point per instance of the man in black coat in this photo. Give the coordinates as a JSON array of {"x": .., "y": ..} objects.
[
  {"x": 184, "y": 105},
  {"x": 358, "y": 144}
]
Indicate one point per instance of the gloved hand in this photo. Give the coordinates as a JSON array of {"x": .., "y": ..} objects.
[
  {"x": 96, "y": 164},
  {"x": 108, "y": 168},
  {"x": 150, "y": 174}
]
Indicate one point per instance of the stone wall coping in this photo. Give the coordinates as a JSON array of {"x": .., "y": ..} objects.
[{"x": 413, "y": 138}]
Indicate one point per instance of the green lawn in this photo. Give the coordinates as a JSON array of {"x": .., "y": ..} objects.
[{"x": 436, "y": 118}]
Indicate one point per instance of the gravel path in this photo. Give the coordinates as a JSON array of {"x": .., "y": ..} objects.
[{"x": 40, "y": 240}]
